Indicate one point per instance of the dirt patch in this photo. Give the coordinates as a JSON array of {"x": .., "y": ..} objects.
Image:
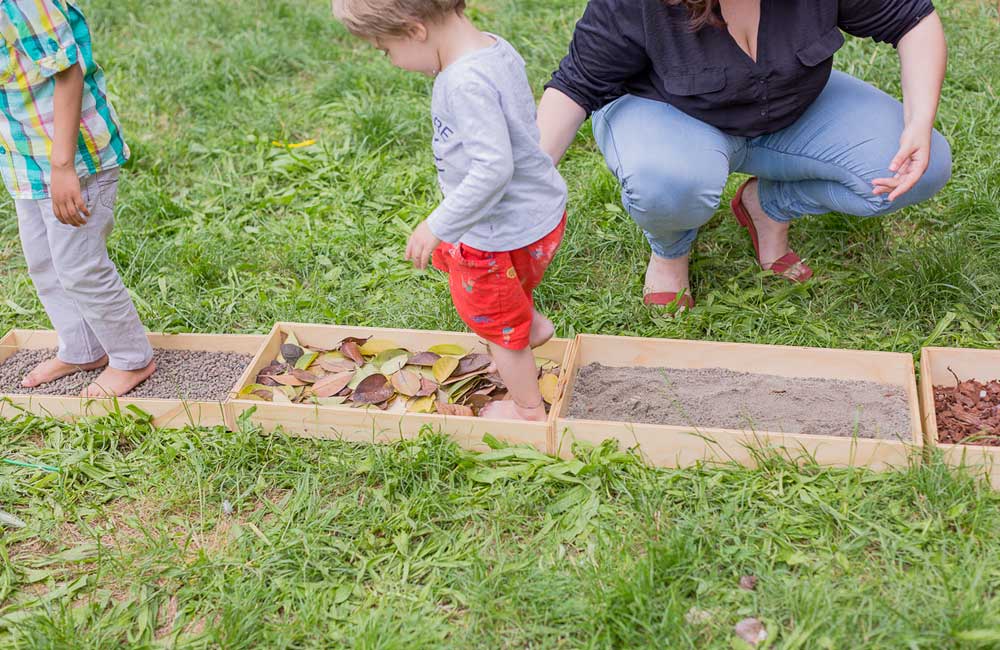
[
  {"x": 191, "y": 375},
  {"x": 968, "y": 413},
  {"x": 725, "y": 399}
]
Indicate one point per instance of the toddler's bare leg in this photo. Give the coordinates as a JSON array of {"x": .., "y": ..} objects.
[
  {"x": 542, "y": 330},
  {"x": 520, "y": 375}
]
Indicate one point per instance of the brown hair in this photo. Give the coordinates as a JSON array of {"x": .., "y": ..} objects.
[
  {"x": 375, "y": 18},
  {"x": 701, "y": 12}
]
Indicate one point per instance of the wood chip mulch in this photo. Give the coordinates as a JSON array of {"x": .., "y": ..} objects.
[{"x": 968, "y": 413}]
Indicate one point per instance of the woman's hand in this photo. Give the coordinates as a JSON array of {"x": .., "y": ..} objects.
[
  {"x": 67, "y": 199},
  {"x": 909, "y": 163},
  {"x": 421, "y": 246}
]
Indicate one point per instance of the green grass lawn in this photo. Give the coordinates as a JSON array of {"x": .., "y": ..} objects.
[{"x": 420, "y": 545}]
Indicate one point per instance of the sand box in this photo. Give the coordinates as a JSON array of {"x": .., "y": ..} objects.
[{"x": 724, "y": 399}]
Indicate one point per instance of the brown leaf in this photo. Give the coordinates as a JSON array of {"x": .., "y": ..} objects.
[
  {"x": 426, "y": 359},
  {"x": 477, "y": 402},
  {"x": 304, "y": 375},
  {"x": 374, "y": 389},
  {"x": 267, "y": 395},
  {"x": 407, "y": 382},
  {"x": 291, "y": 352},
  {"x": 266, "y": 380},
  {"x": 352, "y": 351},
  {"x": 748, "y": 583},
  {"x": 427, "y": 388},
  {"x": 288, "y": 379},
  {"x": 337, "y": 365},
  {"x": 332, "y": 384},
  {"x": 472, "y": 362},
  {"x": 275, "y": 368},
  {"x": 751, "y": 630},
  {"x": 454, "y": 410}
]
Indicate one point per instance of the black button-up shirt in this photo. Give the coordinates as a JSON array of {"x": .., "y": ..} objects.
[{"x": 647, "y": 48}]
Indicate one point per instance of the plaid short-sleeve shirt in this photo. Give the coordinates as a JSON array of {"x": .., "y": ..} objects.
[{"x": 41, "y": 38}]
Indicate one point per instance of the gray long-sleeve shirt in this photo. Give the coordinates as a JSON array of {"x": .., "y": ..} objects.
[{"x": 502, "y": 192}]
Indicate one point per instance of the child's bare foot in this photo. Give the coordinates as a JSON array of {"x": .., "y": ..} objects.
[
  {"x": 542, "y": 330},
  {"x": 54, "y": 369},
  {"x": 511, "y": 410},
  {"x": 115, "y": 383}
]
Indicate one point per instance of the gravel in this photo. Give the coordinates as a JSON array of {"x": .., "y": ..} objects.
[{"x": 190, "y": 375}]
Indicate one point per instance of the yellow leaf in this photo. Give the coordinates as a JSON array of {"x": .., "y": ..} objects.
[
  {"x": 306, "y": 360},
  {"x": 421, "y": 405},
  {"x": 549, "y": 386},
  {"x": 373, "y": 347},
  {"x": 444, "y": 367},
  {"x": 449, "y": 349}
]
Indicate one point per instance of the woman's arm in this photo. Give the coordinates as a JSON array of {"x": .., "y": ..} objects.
[
  {"x": 559, "y": 119},
  {"x": 923, "y": 57}
]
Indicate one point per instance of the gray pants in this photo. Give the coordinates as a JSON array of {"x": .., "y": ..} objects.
[{"x": 77, "y": 282}]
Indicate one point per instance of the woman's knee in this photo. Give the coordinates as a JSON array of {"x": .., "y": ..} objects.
[{"x": 659, "y": 197}]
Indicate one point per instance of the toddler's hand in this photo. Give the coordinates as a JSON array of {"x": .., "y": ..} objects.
[
  {"x": 421, "y": 246},
  {"x": 67, "y": 200}
]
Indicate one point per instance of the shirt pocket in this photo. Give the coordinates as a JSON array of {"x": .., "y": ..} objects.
[
  {"x": 821, "y": 49},
  {"x": 694, "y": 81}
]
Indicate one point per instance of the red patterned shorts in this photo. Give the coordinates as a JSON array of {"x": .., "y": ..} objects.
[{"x": 492, "y": 292}]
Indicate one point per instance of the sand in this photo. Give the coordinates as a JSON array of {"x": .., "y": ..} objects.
[{"x": 724, "y": 399}]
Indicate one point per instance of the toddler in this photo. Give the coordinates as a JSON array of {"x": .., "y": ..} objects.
[{"x": 504, "y": 211}]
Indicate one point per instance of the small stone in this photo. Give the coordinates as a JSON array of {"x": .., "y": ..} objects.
[
  {"x": 749, "y": 583},
  {"x": 751, "y": 630}
]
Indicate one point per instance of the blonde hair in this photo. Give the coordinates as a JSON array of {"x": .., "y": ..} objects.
[{"x": 375, "y": 18}]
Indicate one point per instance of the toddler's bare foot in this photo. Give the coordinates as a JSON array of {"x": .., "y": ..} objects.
[
  {"x": 542, "y": 330},
  {"x": 510, "y": 410},
  {"x": 115, "y": 383},
  {"x": 54, "y": 369}
]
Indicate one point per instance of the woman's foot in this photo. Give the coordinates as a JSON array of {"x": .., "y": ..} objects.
[
  {"x": 53, "y": 369},
  {"x": 511, "y": 410},
  {"x": 772, "y": 236},
  {"x": 115, "y": 383},
  {"x": 542, "y": 330},
  {"x": 667, "y": 282}
]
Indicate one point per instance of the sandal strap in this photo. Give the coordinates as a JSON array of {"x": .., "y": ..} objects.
[
  {"x": 666, "y": 298},
  {"x": 788, "y": 262}
]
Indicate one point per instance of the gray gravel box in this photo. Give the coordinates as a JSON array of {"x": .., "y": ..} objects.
[{"x": 189, "y": 375}]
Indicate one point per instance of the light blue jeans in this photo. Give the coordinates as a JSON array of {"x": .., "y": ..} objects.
[{"x": 673, "y": 168}]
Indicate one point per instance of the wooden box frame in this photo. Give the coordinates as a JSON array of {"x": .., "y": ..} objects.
[
  {"x": 166, "y": 413},
  {"x": 678, "y": 446},
  {"x": 983, "y": 365},
  {"x": 372, "y": 425}
]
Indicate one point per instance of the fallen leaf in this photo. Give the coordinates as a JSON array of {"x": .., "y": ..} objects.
[
  {"x": 477, "y": 402},
  {"x": 252, "y": 388},
  {"x": 395, "y": 364},
  {"x": 424, "y": 359},
  {"x": 303, "y": 376},
  {"x": 289, "y": 380},
  {"x": 332, "y": 384},
  {"x": 749, "y": 583},
  {"x": 265, "y": 394},
  {"x": 291, "y": 352},
  {"x": 352, "y": 351},
  {"x": 407, "y": 382},
  {"x": 751, "y": 630},
  {"x": 337, "y": 365},
  {"x": 373, "y": 389},
  {"x": 444, "y": 367},
  {"x": 279, "y": 397},
  {"x": 306, "y": 360},
  {"x": 267, "y": 381},
  {"x": 549, "y": 387},
  {"x": 472, "y": 362},
  {"x": 454, "y": 410},
  {"x": 361, "y": 374},
  {"x": 448, "y": 349},
  {"x": 697, "y": 616},
  {"x": 421, "y": 405},
  {"x": 374, "y": 347},
  {"x": 427, "y": 387},
  {"x": 291, "y": 339},
  {"x": 330, "y": 401}
]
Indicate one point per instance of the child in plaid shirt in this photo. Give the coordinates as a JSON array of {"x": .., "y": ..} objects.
[
  {"x": 504, "y": 212},
  {"x": 60, "y": 151}
]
